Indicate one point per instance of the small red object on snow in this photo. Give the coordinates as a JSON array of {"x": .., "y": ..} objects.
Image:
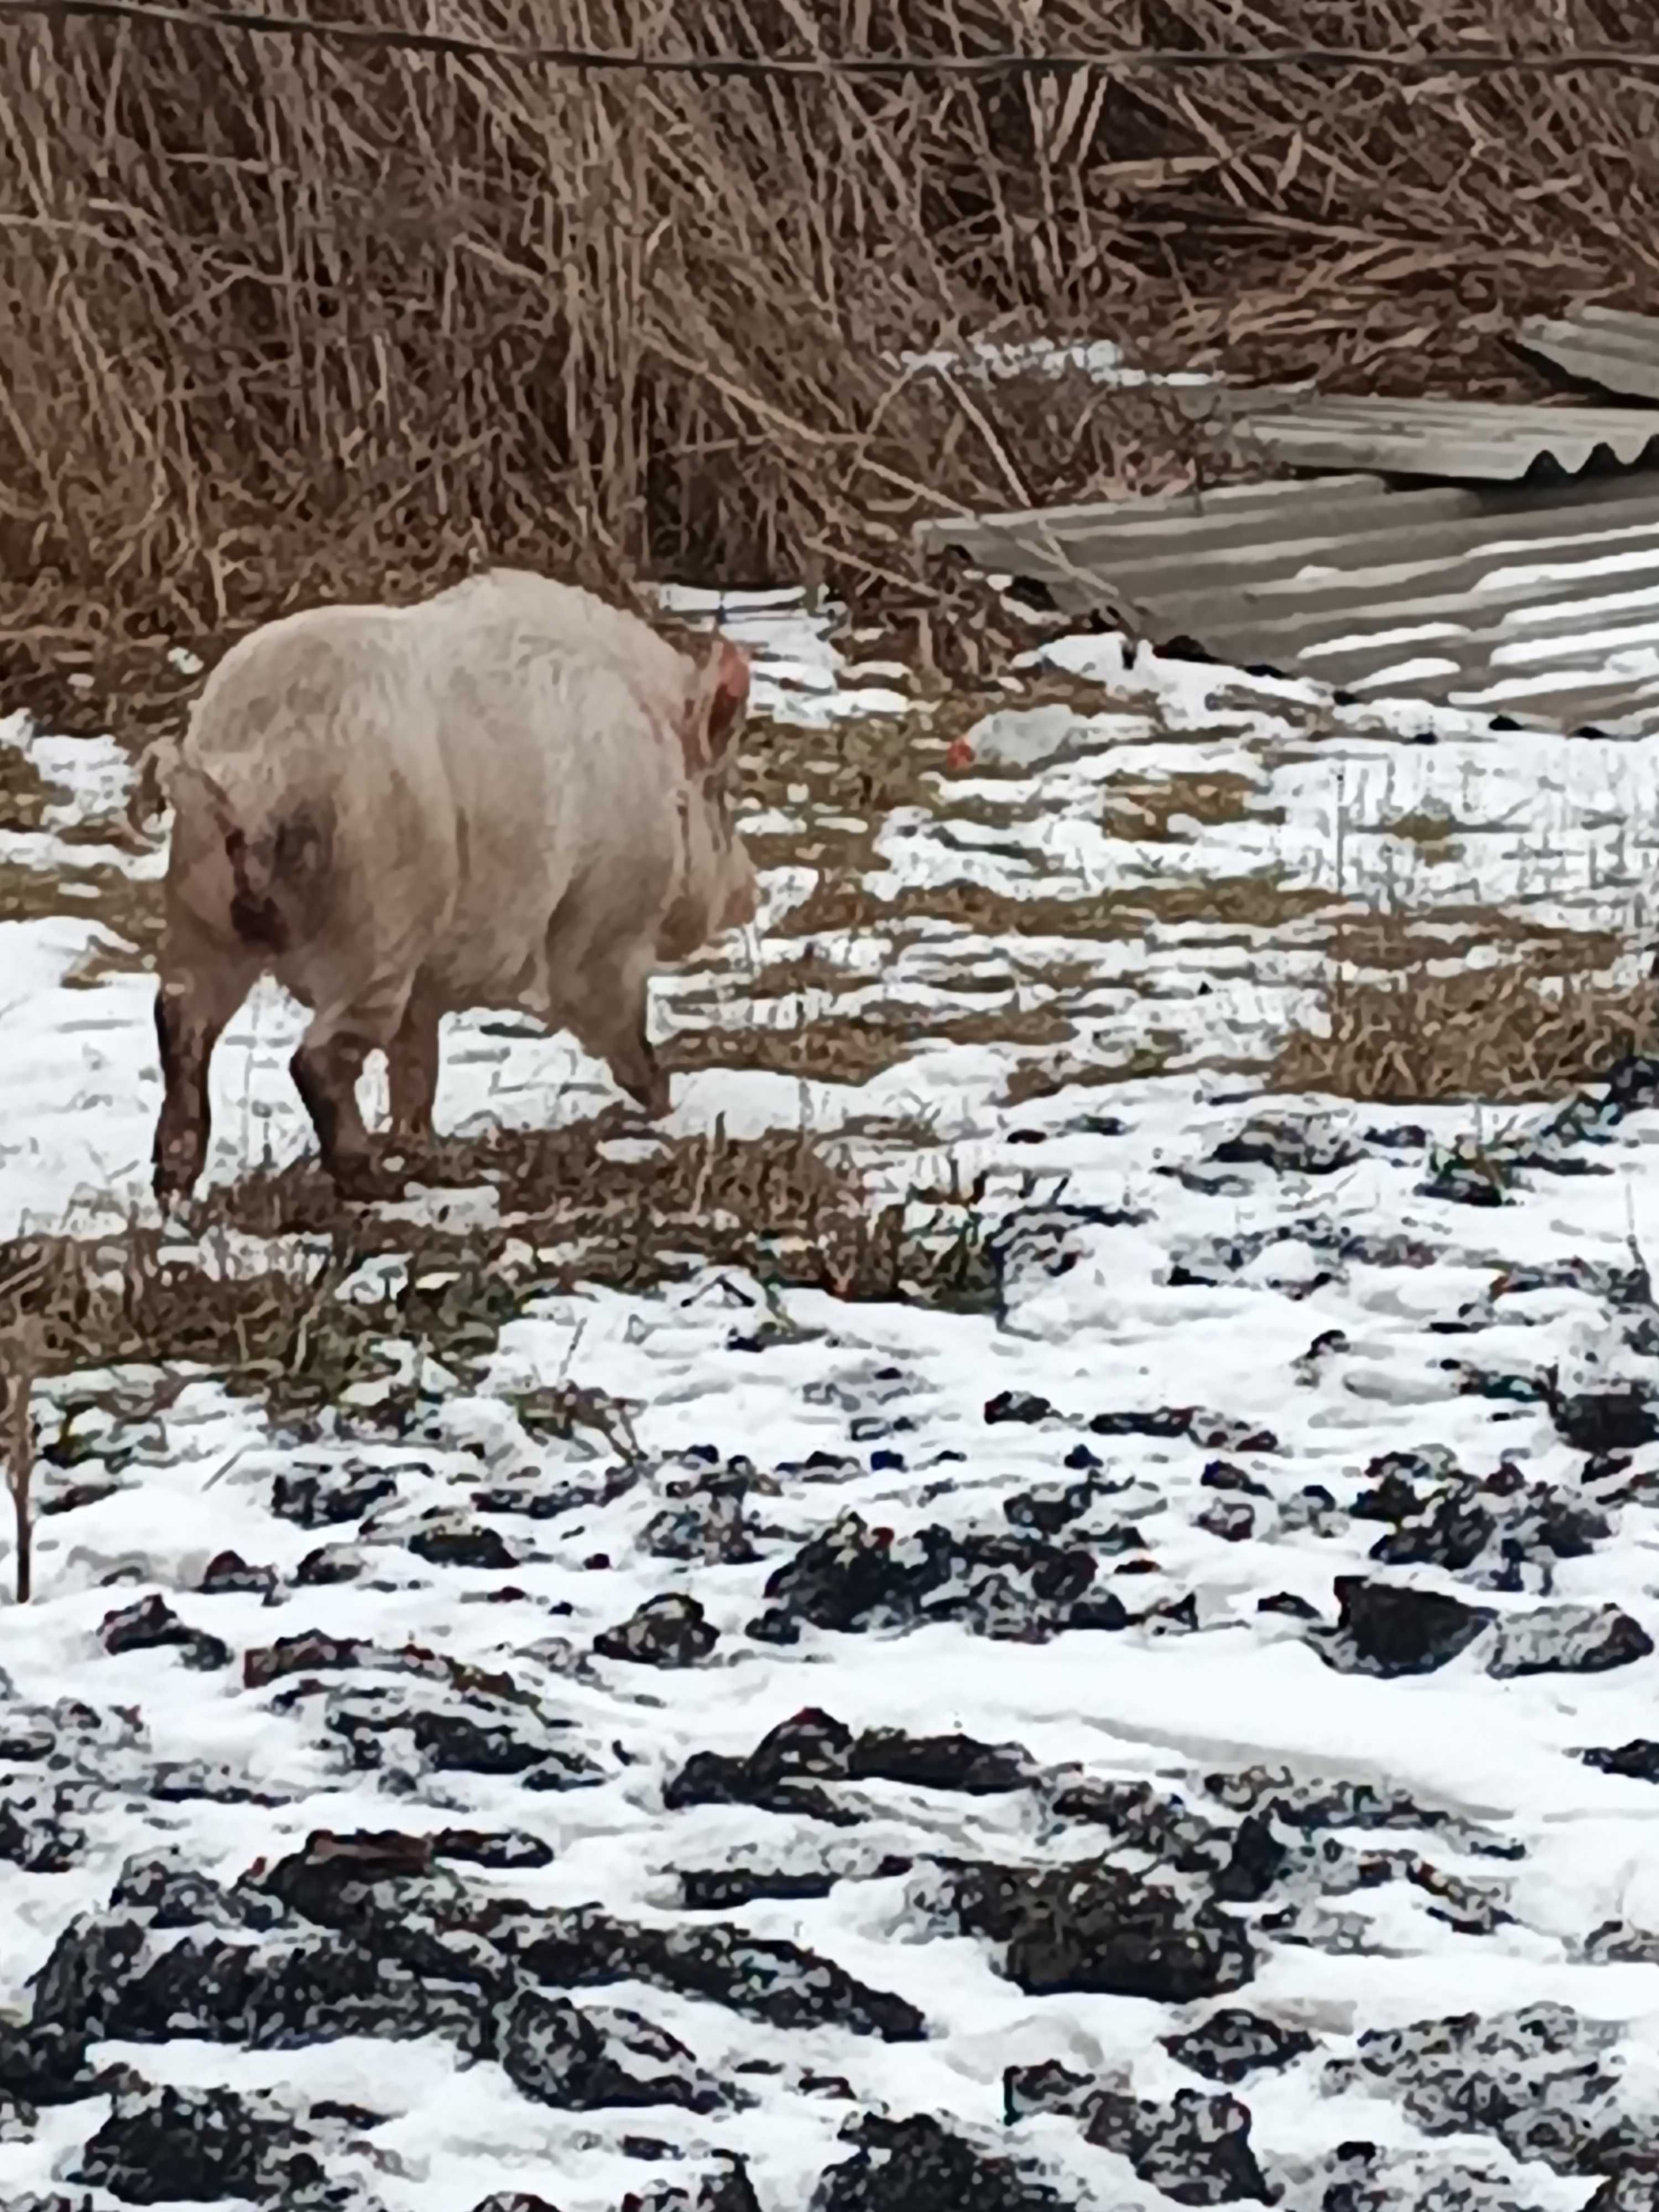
[{"x": 960, "y": 754}]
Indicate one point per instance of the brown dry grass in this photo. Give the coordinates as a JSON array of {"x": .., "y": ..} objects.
[
  {"x": 1416, "y": 939},
  {"x": 1147, "y": 809},
  {"x": 851, "y": 1047},
  {"x": 992, "y": 975},
  {"x": 103, "y": 893},
  {"x": 279, "y": 1332},
  {"x": 1038, "y": 1078},
  {"x": 789, "y": 1206},
  {"x": 785, "y": 1206},
  {"x": 836, "y": 847},
  {"x": 858, "y": 765},
  {"x": 810, "y": 970},
  {"x": 828, "y": 1048},
  {"x": 1433, "y": 828},
  {"x": 1527, "y": 1027},
  {"x": 1140, "y": 811},
  {"x": 996, "y": 813},
  {"x": 18, "y": 1379},
  {"x": 25, "y": 794},
  {"x": 843, "y": 781},
  {"x": 1261, "y": 900},
  {"x": 286, "y": 320}
]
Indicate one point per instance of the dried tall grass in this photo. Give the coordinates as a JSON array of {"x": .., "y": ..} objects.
[
  {"x": 286, "y": 320},
  {"x": 1529, "y": 1027}
]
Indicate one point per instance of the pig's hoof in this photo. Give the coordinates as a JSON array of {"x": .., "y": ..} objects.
[
  {"x": 366, "y": 1183},
  {"x": 171, "y": 1186},
  {"x": 651, "y": 1098}
]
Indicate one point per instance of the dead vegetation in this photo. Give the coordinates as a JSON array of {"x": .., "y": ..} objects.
[
  {"x": 1526, "y": 1026},
  {"x": 20, "y": 1359},
  {"x": 25, "y": 794},
  {"x": 276, "y": 1330},
  {"x": 28, "y": 797},
  {"x": 128, "y": 907},
  {"x": 856, "y": 764},
  {"x": 810, "y": 970},
  {"x": 843, "y": 780},
  {"x": 1147, "y": 809},
  {"x": 789, "y": 1204},
  {"x": 20, "y": 1475},
  {"x": 1433, "y": 829},
  {"x": 825, "y": 1048},
  {"x": 993, "y": 814},
  {"x": 383, "y": 312},
  {"x": 1417, "y": 938},
  {"x": 1262, "y": 899},
  {"x": 1033, "y": 1079},
  {"x": 289, "y": 1325},
  {"x": 852, "y": 1048}
]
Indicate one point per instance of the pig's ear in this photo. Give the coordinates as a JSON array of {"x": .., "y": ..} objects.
[{"x": 718, "y": 699}]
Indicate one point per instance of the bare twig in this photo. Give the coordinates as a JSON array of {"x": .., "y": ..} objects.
[{"x": 19, "y": 1461}]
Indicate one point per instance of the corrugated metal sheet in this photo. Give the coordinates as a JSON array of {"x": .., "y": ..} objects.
[
  {"x": 1603, "y": 346},
  {"x": 1465, "y": 439},
  {"x": 1542, "y": 604}
]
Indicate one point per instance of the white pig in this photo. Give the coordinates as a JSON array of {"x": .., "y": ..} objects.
[{"x": 509, "y": 795}]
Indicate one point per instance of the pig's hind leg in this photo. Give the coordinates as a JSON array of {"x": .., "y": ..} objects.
[
  {"x": 326, "y": 1067},
  {"x": 202, "y": 983}
]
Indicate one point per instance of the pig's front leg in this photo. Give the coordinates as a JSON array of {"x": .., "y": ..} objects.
[
  {"x": 412, "y": 1067},
  {"x": 603, "y": 1005}
]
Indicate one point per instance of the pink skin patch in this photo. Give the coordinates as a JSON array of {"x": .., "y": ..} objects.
[{"x": 959, "y": 754}]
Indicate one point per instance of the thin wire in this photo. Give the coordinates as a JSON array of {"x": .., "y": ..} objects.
[{"x": 1119, "y": 61}]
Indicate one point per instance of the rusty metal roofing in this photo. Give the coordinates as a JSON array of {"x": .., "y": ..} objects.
[
  {"x": 1603, "y": 346},
  {"x": 1464, "y": 439},
  {"x": 1541, "y": 604}
]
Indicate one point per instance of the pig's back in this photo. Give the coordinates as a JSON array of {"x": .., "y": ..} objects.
[{"x": 566, "y": 618}]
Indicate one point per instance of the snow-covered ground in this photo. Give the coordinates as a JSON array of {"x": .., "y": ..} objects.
[
  {"x": 1124, "y": 1740},
  {"x": 1101, "y": 359}
]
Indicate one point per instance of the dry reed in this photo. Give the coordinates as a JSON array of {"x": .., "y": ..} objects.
[
  {"x": 1523, "y": 1028},
  {"x": 286, "y": 320}
]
